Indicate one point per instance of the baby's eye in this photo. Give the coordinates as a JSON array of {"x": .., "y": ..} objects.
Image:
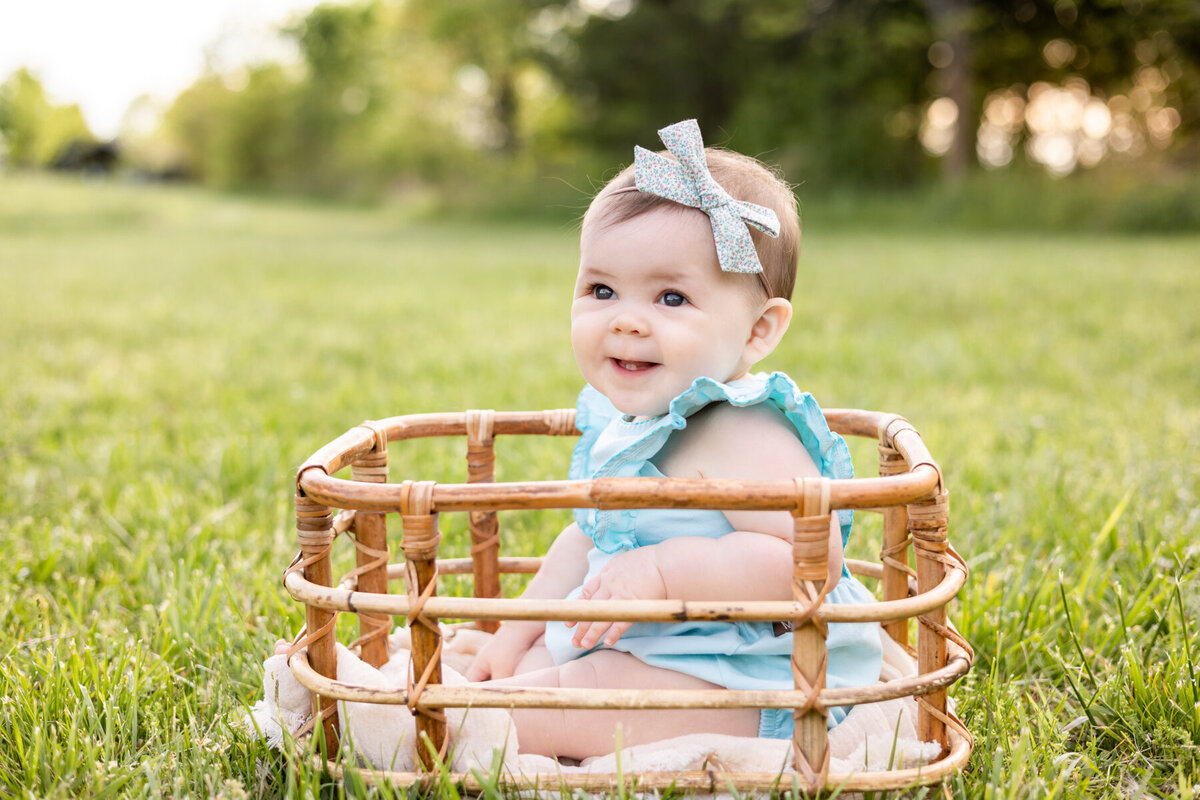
[
  {"x": 673, "y": 299},
  {"x": 602, "y": 292}
]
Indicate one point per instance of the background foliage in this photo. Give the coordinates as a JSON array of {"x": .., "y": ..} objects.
[
  {"x": 519, "y": 105},
  {"x": 34, "y": 131}
]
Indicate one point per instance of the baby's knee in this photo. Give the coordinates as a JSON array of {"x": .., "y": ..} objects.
[
  {"x": 580, "y": 673},
  {"x": 609, "y": 669}
]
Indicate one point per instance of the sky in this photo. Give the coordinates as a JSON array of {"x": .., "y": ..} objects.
[{"x": 103, "y": 55}]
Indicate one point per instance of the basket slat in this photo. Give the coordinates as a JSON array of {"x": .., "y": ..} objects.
[
  {"x": 442, "y": 696},
  {"x": 618, "y": 611}
]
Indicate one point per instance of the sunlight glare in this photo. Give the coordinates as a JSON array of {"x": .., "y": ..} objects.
[
  {"x": 937, "y": 129},
  {"x": 1097, "y": 120}
]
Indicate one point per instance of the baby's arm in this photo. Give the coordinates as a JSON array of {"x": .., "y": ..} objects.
[
  {"x": 752, "y": 563},
  {"x": 742, "y": 565},
  {"x": 564, "y": 567}
]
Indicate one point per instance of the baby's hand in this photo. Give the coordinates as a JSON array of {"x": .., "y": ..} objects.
[
  {"x": 632, "y": 575},
  {"x": 499, "y": 657},
  {"x": 496, "y": 659}
]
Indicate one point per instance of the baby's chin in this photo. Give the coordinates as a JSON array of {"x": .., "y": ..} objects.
[{"x": 641, "y": 411}]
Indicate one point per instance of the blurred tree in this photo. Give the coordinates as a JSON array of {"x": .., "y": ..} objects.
[
  {"x": 235, "y": 131},
  {"x": 1108, "y": 40},
  {"x": 1115, "y": 45},
  {"x": 34, "y": 130},
  {"x": 813, "y": 83},
  {"x": 193, "y": 125},
  {"x": 257, "y": 144},
  {"x": 342, "y": 46},
  {"x": 372, "y": 103},
  {"x": 851, "y": 90},
  {"x": 953, "y": 55},
  {"x": 663, "y": 61},
  {"x": 393, "y": 94},
  {"x": 495, "y": 37},
  {"x": 402, "y": 124},
  {"x": 843, "y": 83}
]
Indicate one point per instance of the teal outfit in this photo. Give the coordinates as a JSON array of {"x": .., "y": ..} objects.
[{"x": 737, "y": 655}]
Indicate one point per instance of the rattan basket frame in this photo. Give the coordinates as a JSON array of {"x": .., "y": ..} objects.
[{"x": 909, "y": 492}]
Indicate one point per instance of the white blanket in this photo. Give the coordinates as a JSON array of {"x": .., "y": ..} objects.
[{"x": 875, "y": 736}]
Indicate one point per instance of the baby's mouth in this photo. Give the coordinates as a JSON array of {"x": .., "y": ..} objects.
[{"x": 634, "y": 366}]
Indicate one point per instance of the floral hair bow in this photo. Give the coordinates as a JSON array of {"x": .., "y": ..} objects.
[{"x": 688, "y": 182}]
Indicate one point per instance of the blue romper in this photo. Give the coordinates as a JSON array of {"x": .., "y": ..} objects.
[{"x": 737, "y": 655}]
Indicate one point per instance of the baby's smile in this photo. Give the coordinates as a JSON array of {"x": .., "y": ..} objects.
[{"x": 633, "y": 366}]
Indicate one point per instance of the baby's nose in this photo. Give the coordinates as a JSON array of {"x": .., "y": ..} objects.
[{"x": 627, "y": 322}]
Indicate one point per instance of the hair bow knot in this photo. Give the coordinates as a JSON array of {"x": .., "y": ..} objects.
[{"x": 688, "y": 182}]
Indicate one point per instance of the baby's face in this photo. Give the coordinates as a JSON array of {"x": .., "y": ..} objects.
[{"x": 653, "y": 311}]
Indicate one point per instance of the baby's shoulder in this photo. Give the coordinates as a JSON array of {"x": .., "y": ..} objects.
[
  {"x": 727, "y": 422},
  {"x": 727, "y": 441}
]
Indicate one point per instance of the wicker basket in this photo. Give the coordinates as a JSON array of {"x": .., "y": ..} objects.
[{"x": 909, "y": 493}]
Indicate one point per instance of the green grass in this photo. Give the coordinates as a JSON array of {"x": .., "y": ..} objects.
[{"x": 170, "y": 356}]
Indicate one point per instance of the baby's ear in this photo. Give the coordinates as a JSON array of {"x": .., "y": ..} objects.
[{"x": 768, "y": 330}]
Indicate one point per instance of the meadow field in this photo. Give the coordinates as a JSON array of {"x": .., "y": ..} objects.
[{"x": 169, "y": 356}]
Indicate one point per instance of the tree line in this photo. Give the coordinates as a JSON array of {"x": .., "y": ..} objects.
[{"x": 390, "y": 95}]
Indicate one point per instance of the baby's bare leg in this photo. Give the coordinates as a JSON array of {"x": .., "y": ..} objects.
[
  {"x": 536, "y": 658},
  {"x": 580, "y": 733}
]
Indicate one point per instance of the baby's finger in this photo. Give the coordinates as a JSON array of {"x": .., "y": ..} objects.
[
  {"x": 592, "y": 634},
  {"x": 616, "y": 632},
  {"x": 589, "y": 588},
  {"x": 580, "y": 632}
]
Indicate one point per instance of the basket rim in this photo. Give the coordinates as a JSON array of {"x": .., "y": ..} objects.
[{"x": 316, "y": 477}]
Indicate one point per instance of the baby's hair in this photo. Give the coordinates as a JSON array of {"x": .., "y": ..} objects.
[{"x": 745, "y": 178}]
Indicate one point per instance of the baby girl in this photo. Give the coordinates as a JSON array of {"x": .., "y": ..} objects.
[{"x": 687, "y": 262}]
